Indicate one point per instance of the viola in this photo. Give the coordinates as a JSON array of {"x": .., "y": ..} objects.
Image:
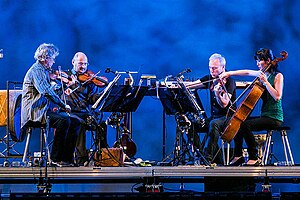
[
  {"x": 90, "y": 76},
  {"x": 127, "y": 144},
  {"x": 124, "y": 140},
  {"x": 247, "y": 105}
]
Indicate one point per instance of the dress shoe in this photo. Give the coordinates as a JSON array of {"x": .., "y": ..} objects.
[
  {"x": 253, "y": 163},
  {"x": 237, "y": 161},
  {"x": 82, "y": 160},
  {"x": 61, "y": 164}
]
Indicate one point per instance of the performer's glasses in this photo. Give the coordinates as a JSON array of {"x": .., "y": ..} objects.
[{"x": 81, "y": 64}]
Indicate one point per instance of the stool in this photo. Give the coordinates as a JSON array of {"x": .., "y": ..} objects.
[
  {"x": 268, "y": 151},
  {"x": 43, "y": 140}
]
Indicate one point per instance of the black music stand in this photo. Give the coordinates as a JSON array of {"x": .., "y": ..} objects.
[
  {"x": 124, "y": 98},
  {"x": 176, "y": 102}
]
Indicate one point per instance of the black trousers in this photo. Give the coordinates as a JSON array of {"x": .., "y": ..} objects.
[
  {"x": 245, "y": 132},
  {"x": 216, "y": 127},
  {"x": 88, "y": 122},
  {"x": 66, "y": 131}
]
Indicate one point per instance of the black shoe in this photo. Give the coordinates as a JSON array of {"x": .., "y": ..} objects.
[
  {"x": 237, "y": 161},
  {"x": 253, "y": 163},
  {"x": 61, "y": 164},
  {"x": 82, "y": 160},
  {"x": 56, "y": 164},
  {"x": 67, "y": 164}
]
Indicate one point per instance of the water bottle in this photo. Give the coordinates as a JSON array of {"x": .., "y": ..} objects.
[
  {"x": 197, "y": 161},
  {"x": 245, "y": 155},
  {"x": 283, "y": 163}
]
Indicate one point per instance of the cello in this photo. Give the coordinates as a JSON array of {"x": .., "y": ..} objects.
[{"x": 247, "y": 105}]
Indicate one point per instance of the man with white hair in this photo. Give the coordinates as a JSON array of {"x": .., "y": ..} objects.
[
  {"x": 222, "y": 94},
  {"x": 36, "y": 97}
]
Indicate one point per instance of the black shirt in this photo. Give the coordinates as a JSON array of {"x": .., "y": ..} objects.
[
  {"x": 84, "y": 95},
  {"x": 216, "y": 110}
]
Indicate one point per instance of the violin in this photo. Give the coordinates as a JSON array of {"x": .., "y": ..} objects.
[
  {"x": 217, "y": 83},
  {"x": 61, "y": 76},
  {"x": 90, "y": 76}
]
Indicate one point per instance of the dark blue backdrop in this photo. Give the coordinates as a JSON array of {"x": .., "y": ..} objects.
[{"x": 160, "y": 37}]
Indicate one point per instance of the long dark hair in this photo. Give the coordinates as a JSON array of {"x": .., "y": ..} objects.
[{"x": 265, "y": 54}]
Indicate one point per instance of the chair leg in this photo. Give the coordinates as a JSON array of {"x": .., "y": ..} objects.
[
  {"x": 225, "y": 156},
  {"x": 46, "y": 146},
  {"x": 286, "y": 144},
  {"x": 267, "y": 148},
  {"x": 27, "y": 145},
  {"x": 223, "y": 152},
  {"x": 228, "y": 153}
]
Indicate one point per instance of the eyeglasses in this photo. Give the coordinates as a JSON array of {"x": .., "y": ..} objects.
[
  {"x": 214, "y": 67},
  {"x": 82, "y": 63}
]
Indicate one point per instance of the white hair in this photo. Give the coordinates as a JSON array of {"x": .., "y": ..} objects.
[
  {"x": 218, "y": 56},
  {"x": 46, "y": 50}
]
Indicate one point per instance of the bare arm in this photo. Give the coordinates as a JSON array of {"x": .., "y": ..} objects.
[
  {"x": 244, "y": 72},
  {"x": 277, "y": 90}
]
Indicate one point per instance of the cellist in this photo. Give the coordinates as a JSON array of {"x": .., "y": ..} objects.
[{"x": 271, "y": 111}]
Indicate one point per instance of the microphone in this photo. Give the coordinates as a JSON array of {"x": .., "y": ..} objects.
[
  {"x": 107, "y": 70},
  {"x": 188, "y": 70}
]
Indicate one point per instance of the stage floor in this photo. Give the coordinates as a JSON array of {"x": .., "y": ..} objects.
[
  {"x": 134, "y": 173},
  {"x": 114, "y": 180}
]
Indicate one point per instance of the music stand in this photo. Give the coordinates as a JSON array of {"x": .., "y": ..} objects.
[
  {"x": 124, "y": 98},
  {"x": 176, "y": 102}
]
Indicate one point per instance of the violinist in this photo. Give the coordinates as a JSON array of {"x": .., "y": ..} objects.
[
  {"x": 222, "y": 94},
  {"x": 82, "y": 92},
  {"x": 36, "y": 98},
  {"x": 271, "y": 111}
]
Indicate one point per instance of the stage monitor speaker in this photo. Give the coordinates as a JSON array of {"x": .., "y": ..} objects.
[{"x": 109, "y": 157}]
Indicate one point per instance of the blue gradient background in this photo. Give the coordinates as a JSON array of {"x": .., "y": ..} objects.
[{"x": 160, "y": 37}]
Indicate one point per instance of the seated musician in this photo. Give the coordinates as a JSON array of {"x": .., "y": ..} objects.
[
  {"x": 81, "y": 94},
  {"x": 271, "y": 111},
  {"x": 36, "y": 97},
  {"x": 222, "y": 94}
]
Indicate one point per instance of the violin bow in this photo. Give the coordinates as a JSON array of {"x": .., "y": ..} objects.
[{"x": 62, "y": 87}]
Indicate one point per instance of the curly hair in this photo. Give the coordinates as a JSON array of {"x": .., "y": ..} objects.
[{"x": 46, "y": 50}]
